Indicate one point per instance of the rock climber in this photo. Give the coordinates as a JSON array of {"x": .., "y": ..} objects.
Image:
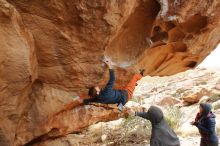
[
  {"x": 109, "y": 95},
  {"x": 161, "y": 133},
  {"x": 205, "y": 122}
]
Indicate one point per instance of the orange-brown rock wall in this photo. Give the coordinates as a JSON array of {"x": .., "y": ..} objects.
[{"x": 52, "y": 51}]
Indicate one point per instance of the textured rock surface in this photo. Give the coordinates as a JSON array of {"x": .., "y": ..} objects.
[
  {"x": 18, "y": 69},
  {"x": 163, "y": 91},
  {"x": 192, "y": 83},
  {"x": 65, "y": 122},
  {"x": 52, "y": 51},
  {"x": 196, "y": 96}
]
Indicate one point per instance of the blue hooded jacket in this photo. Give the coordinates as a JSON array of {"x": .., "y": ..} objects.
[
  {"x": 205, "y": 122},
  {"x": 109, "y": 95}
]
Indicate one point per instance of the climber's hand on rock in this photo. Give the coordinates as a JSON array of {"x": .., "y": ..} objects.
[{"x": 109, "y": 64}]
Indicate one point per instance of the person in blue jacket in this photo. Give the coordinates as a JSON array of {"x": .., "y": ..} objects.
[
  {"x": 205, "y": 122},
  {"x": 109, "y": 95}
]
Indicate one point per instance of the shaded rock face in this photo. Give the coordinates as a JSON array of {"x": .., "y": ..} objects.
[
  {"x": 52, "y": 51},
  {"x": 131, "y": 40},
  {"x": 70, "y": 38}
]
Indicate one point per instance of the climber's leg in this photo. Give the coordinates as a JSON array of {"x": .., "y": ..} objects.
[{"x": 131, "y": 85}]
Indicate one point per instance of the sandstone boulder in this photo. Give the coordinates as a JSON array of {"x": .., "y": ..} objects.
[
  {"x": 168, "y": 101},
  {"x": 195, "y": 97},
  {"x": 52, "y": 51}
]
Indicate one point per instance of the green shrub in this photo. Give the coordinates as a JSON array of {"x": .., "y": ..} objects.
[
  {"x": 133, "y": 130},
  {"x": 214, "y": 97},
  {"x": 131, "y": 122},
  {"x": 173, "y": 116},
  {"x": 201, "y": 83},
  {"x": 134, "y": 99},
  {"x": 176, "y": 95}
]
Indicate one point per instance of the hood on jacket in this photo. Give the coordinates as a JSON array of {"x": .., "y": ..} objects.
[
  {"x": 206, "y": 109},
  {"x": 155, "y": 114}
]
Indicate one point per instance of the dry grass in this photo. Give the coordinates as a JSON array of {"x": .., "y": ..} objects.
[
  {"x": 214, "y": 97},
  {"x": 133, "y": 131},
  {"x": 173, "y": 116}
]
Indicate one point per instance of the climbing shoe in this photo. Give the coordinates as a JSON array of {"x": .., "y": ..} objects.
[{"x": 120, "y": 107}]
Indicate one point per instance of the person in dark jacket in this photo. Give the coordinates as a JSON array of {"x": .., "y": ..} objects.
[
  {"x": 161, "y": 133},
  {"x": 109, "y": 95},
  {"x": 205, "y": 122}
]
